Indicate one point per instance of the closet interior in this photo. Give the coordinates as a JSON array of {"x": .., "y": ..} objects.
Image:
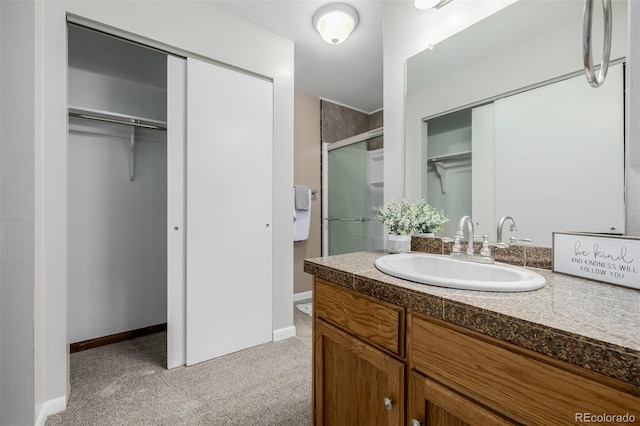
[{"x": 117, "y": 186}]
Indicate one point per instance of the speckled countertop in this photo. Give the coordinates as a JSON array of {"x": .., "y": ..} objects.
[{"x": 586, "y": 323}]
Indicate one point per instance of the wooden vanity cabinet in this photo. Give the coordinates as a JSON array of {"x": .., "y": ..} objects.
[
  {"x": 480, "y": 380},
  {"x": 431, "y": 403},
  {"x": 355, "y": 383},
  {"x": 452, "y": 376},
  {"x": 359, "y": 372}
]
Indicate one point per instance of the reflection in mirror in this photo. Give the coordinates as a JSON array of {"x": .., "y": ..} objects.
[{"x": 500, "y": 121}]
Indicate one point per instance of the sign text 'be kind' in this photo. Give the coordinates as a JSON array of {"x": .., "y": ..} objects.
[{"x": 609, "y": 259}]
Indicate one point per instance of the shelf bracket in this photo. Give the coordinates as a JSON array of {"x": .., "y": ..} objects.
[
  {"x": 441, "y": 169},
  {"x": 132, "y": 153}
]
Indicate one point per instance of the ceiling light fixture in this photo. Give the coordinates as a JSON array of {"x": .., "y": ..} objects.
[
  {"x": 335, "y": 21},
  {"x": 428, "y": 4}
]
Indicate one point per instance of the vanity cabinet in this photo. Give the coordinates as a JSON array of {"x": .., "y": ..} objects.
[
  {"x": 476, "y": 378},
  {"x": 359, "y": 371},
  {"x": 432, "y": 403},
  {"x": 450, "y": 376},
  {"x": 355, "y": 384}
]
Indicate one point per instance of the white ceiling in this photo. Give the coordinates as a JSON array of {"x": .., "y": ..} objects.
[{"x": 349, "y": 73}]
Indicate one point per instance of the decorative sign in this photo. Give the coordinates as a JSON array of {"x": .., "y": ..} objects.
[{"x": 610, "y": 259}]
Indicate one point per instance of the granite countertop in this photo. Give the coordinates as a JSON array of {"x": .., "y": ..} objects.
[{"x": 586, "y": 323}]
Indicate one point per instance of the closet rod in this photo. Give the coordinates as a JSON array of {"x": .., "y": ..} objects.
[{"x": 111, "y": 120}]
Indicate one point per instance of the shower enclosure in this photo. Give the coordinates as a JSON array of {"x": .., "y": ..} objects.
[{"x": 352, "y": 185}]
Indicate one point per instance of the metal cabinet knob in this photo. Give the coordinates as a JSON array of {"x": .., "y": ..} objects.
[
  {"x": 415, "y": 422},
  {"x": 388, "y": 403}
]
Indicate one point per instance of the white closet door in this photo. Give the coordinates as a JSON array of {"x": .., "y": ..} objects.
[
  {"x": 562, "y": 145},
  {"x": 483, "y": 191},
  {"x": 176, "y": 187},
  {"x": 229, "y": 211}
]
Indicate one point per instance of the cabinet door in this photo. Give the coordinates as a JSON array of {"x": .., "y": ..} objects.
[
  {"x": 354, "y": 383},
  {"x": 432, "y": 404}
]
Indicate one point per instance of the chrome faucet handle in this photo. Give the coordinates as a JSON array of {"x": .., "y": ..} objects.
[
  {"x": 499, "y": 245},
  {"x": 457, "y": 247},
  {"x": 514, "y": 240},
  {"x": 447, "y": 240},
  {"x": 485, "y": 251}
]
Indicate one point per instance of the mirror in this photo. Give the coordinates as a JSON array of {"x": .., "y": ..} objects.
[{"x": 541, "y": 145}]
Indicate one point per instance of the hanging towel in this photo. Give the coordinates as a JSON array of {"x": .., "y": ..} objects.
[
  {"x": 302, "y": 220},
  {"x": 302, "y": 200}
]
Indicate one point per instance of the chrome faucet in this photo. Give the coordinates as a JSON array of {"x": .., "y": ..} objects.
[
  {"x": 501, "y": 222},
  {"x": 456, "y": 250},
  {"x": 460, "y": 233}
]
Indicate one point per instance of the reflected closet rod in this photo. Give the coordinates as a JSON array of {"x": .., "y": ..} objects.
[{"x": 111, "y": 120}]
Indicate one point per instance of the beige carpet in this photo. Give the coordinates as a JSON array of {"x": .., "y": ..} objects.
[{"x": 127, "y": 384}]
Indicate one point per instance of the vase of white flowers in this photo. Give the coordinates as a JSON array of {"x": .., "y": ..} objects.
[
  {"x": 428, "y": 219},
  {"x": 399, "y": 218},
  {"x": 404, "y": 218},
  {"x": 399, "y": 243}
]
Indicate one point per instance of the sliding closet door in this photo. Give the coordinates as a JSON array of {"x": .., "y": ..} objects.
[
  {"x": 229, "y": 211},
  {"x": 176, "y": 211}
]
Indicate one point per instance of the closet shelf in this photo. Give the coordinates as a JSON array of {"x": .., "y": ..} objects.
[
  {"x": 450, "y": 157},
  {"x": 116, "y": 118},
  {"x": 442, "y": 163}
]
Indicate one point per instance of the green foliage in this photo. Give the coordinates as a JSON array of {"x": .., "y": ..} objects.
[
  {"x": 405, "y": 218},
  {"x": 429, "y": 219}
]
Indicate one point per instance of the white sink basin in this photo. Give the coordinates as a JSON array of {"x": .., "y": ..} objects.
[{"x": 444, "y": 271}]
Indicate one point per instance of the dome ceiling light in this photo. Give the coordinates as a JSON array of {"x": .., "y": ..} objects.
[{"x": 335, "y": 21}]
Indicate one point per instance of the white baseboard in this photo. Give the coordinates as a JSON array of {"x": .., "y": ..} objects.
[
  {"x": 302, "y": 296},
  {"x": 284, "y": 333},
  {"x": 50, "y": 407}
]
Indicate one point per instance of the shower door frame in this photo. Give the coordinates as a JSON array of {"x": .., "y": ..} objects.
[{"x": 326, "y": 147}]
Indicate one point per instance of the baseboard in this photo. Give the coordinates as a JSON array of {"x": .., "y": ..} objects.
[
  {"x": 284, "y": 333},
  {"x": 115, "y": 338},
  {"x": 302, "y": 296},
  {"x": 50, "y": 407}
]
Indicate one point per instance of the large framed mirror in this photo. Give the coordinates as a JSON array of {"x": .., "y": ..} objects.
[{"x": 500, "y": 121}]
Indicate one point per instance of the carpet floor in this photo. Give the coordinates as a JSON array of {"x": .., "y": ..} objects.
[{"x": 127, "y": 384}]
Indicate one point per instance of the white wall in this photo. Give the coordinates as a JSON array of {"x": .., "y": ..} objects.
[
  {"x": 117, "y": 228},
  {"x": 193, "y": 27},
  {"x": 98, "y": 91},
  {"x": 117, "y": 248},
  {"x": 17, "y": 250}
]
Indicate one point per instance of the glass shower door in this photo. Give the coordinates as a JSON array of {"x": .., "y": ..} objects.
[{"x": 348, "y": 205}]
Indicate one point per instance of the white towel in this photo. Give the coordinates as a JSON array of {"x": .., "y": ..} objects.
[
  {"x": 302, "y": 221},
  {"x": 301, "y": 201}
]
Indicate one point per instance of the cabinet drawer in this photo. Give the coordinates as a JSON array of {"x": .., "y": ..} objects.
[
  {"x": 373, "y": 320},
  {"x": 527, "y": 387}
]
